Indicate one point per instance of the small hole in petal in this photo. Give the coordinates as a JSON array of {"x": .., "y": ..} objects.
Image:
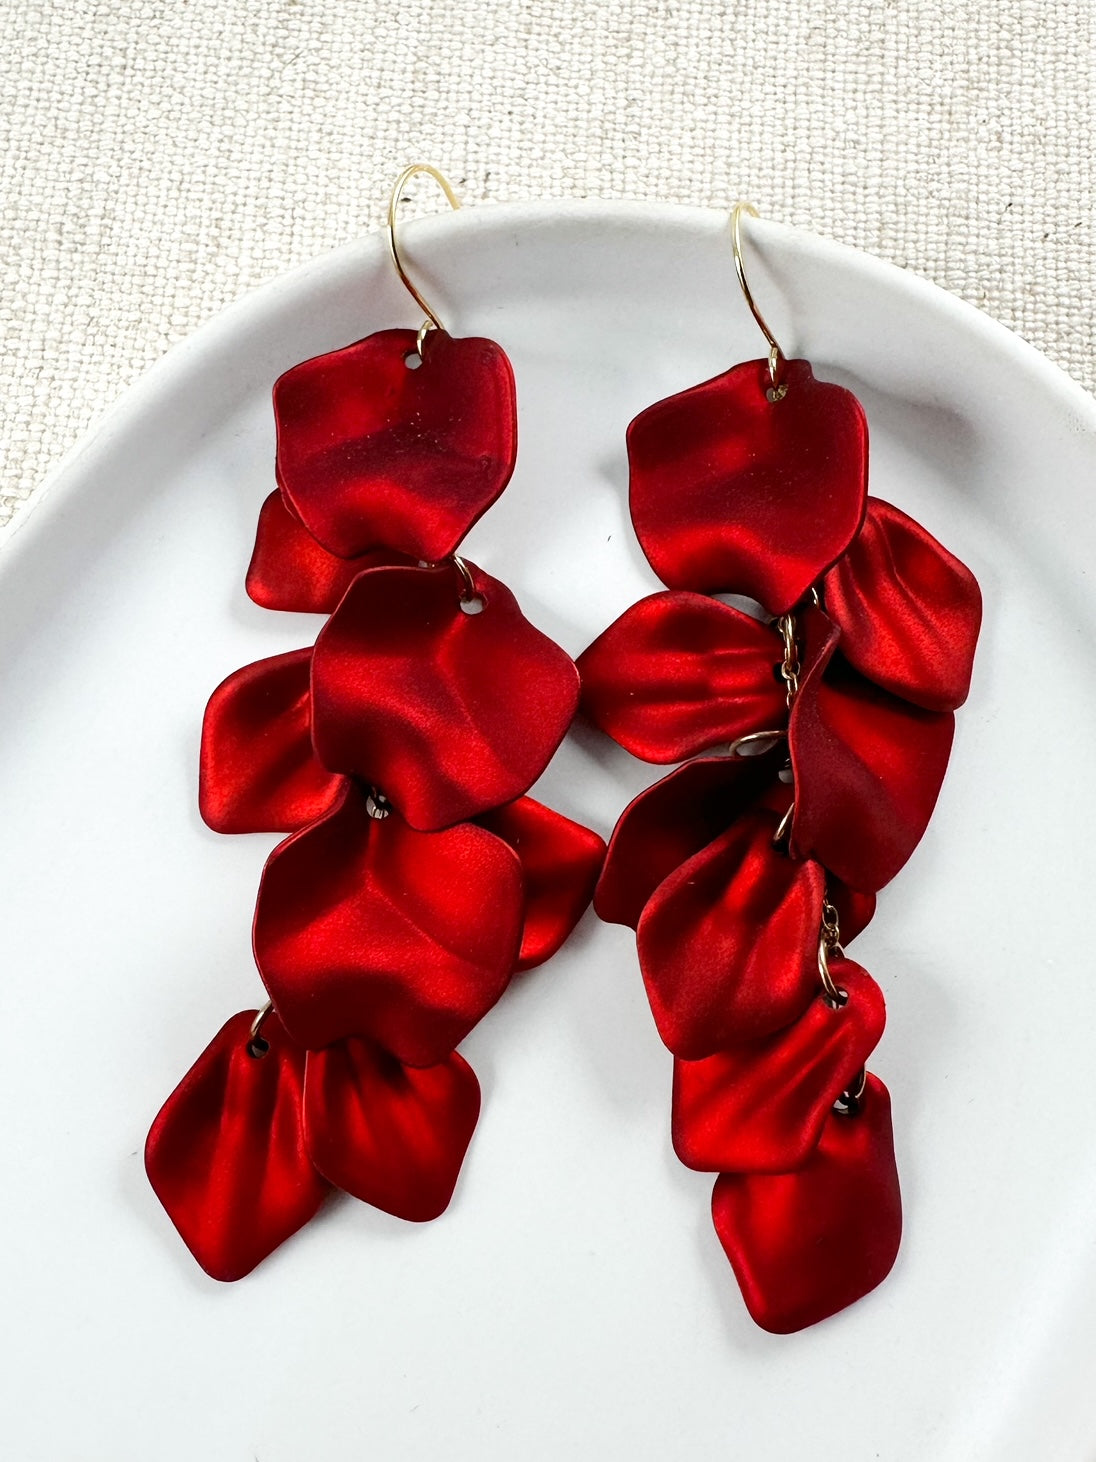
[
  {"x": 257, "y": 1047},
  {"x": 412, "y": 360},
  {"x": 377, "y": 805},
  {"x": 841, "y": 1001},
  {"x": 776, "y": 393},
  {"x": 476, "y": 605}
]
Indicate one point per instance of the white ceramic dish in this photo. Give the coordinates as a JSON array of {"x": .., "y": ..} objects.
[{"x": 574, "y": 1301}]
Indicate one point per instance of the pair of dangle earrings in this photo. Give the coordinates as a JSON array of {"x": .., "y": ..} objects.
[{"x": 811, "y": 729}]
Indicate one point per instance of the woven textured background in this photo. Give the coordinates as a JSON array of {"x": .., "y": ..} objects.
[{"x": 158, "y": 157}]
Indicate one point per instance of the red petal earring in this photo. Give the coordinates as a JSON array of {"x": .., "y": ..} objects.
[
  {"x": 744, "y": 873},
  {"x": 418, "y": 876}
]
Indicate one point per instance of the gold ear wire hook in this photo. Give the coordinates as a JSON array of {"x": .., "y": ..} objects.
[
  {"x": 778, "y": 390},
  {"x": 431, "y": 322}
]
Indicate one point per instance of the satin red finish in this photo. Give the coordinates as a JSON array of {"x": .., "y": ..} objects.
[
  {"x": 728, "y": 943},
  {"x": 369, "y": 928},
  {"x": 372, "y": 454},
  {"x": 678, "y": 673},
  {"x": 449, "y": 713},
  {"x": 257, "y": 770},
  {"x": 806, "y": 1244},
  {"x": 868, "y": 770},
  {"x": 560, "y": 862},
  {"x": 908, "y": 611},
  {"x": 289, "y": 570},
  {"x": 734, "y": 491},
  {"x": 392, "y": 1135},
  {"x": 731, "y": 491},
  {"x": 761, "y": 1108},
  {"x": 226, "y": 1154},
  {"x": 669, "y": 822},
  {"x": 685, "y": 811},
  {"x": 431, "y": 702}
]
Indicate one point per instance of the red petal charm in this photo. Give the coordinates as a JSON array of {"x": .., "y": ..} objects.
[
  {"x": 908, "y": 611},
  {"x": 364, "y": 927},
  {"x": 560, "y": 862},
  {"x": 372, "y": 454},
  {"x": 226, "y": 1154},
  {"x": 449, "y": 713},
  {"x": 731, "y": 491},
  {"x": 804, "y": 1245},
  {"x": 728, "y": 943},
  {"x": 762, "y": 1108},
  {"x": 290, "y": 570},
  {"x": 258, "y": 772},
  {"x": 868, "y": 770},
  {"x": 669, "y": 822},
  {"x": 677, "y": 673},
  {"x": 391, "y": 1135}
]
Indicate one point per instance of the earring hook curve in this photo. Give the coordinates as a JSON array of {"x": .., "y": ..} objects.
[
  {"x": 778, "y": 390},
  {"x": 432, "y": 321}
]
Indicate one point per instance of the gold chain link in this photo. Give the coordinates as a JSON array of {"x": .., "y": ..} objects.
[
  {"x": 790, "y": 667},
  {"x": 829, "y": 943}
]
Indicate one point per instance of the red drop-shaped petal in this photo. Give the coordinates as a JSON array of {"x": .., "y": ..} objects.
[
  {"x": 364, "y": 927},
  {"x": 258, "y": 771},
  {"x": 392, "y": 1135},
  {"x": 677, "y": 673},
  {"x": 289, "y": 570},
  {"x": 226, "y": 1154},
  {"x": 449, "y": 713},
  {"x": 560, "y": 862},
  {"x": 908, "y": 611},
  {"x": 807, "y": 1244},
  {"x": 728, "y": 943},
  {"x": 761, "y": 1108},
  {"x": 868, "y": 769},
  {"x": 670, "y": 821},
  {"x": 372, "y": 454},
  {"x": 732, "y": 491}
]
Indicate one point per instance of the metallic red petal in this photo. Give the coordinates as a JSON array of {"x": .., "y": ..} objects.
[
  {"x": 258, "y": 771},
  {"x": 761, "y": 1108},
  {"x": 372, "y": 454},
  {"x": 868, "y": 770},
  {"x": 806, "y": 1244},
  {"x": 368, "y": 928},
  {"x": 449, "y": 713},
  {"x": 669, "y": 822},
  {"x": 728, "y": 943},
  {"x": 226, "y": 1154},
  {"x": 392, "y": 1135},
  {"x": 560, "y": 862},
  {"x": 908, "y": 611},
  {"x": 677, "y": 673},
  {"x": 290, "y": 570},
  {"x": 731, "y": 491}
]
